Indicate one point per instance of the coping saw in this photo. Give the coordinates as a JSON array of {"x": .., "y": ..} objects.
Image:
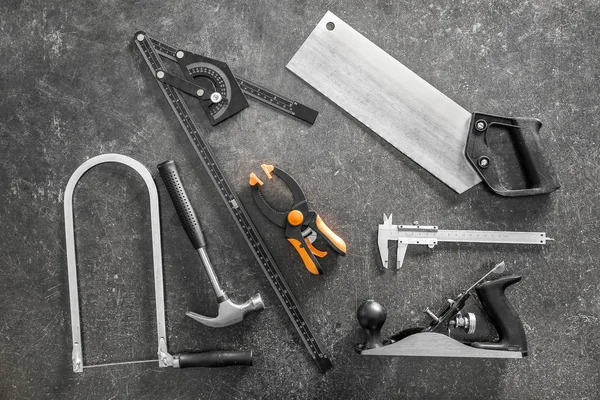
[
  {"x": 152, "y": 56},
  {"x": 431, "y": 236},
  {"x": 450, "y": 142},
  {"x": 165, "y": 359}
]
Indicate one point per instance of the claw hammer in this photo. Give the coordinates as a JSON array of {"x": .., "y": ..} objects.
[{"x": 229, "y": 312}]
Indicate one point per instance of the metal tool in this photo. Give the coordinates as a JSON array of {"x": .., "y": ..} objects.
[
  {"x": 450, "y": 142},
  {"x": 434, "y": 340},
  {"x": 235, "y": 207},
  {"x": 229, "y": 312},
  {"x": 302, "y": 226},
  {"x": 165, "y": 359},
  {"x": 431, "y": 236},
  {"x": 221, "y": 94}
]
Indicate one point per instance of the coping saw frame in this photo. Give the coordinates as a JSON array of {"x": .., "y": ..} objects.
[{"x": 164, "y": 358}]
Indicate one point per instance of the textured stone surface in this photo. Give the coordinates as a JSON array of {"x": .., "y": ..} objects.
[{"x": 73, "y": 86}]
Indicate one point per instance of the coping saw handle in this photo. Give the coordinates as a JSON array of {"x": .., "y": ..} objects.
[
  {"x": 511, "y": 335},
  {"x": 170, "y": 176},
  {"x": 214, "y": 359},
  {"x": 524, "y": 133}
]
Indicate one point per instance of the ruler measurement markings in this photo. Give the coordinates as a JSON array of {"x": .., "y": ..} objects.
[
  {"x": 259, "y": 90},
  {"x": 499, "y": 236}
]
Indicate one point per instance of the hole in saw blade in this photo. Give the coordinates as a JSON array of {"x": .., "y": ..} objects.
[
  {"x": 505, "y": 157},
  {"x": 330, "y": 26}
]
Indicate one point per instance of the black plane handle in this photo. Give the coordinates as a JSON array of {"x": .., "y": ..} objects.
[
  {"x": 524, "y": 133},
  {"x": 511, "y": 335},
  {"x": 213, "y": 359},
  {"x": 170, "y": 176}
]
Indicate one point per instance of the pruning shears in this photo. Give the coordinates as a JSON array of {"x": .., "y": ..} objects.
[{"x": 302, "y": 225}]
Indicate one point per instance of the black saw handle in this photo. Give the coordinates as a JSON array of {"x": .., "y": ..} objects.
[
  {"x": 170, "y": 176},
  {"x": 214, "y": 359},
  {"x": 511, "y": 335},
  {"x": 537, "y": 169}
]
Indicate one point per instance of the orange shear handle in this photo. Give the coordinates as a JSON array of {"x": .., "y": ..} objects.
[
  {"x": 330, "y": 237},
  {"x": 309, "y": 260}
]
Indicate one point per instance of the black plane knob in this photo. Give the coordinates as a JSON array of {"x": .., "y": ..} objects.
[{"x": 371, "y": 316}]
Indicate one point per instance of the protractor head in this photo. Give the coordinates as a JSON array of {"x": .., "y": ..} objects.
[{"x": 214, "y": 74}]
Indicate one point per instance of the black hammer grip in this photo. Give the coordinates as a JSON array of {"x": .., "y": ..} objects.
[
  {"x": 187, "y": 216},
  {"x": 215, "y": 359}
]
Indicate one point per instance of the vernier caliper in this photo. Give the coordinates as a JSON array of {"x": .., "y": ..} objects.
[{"x": 431, "y": 235}]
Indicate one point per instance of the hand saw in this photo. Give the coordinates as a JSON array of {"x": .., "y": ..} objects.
[
  {"x": 151, "y": 54},
  {"x": 220, "y": 92},
  {"x": 450, "y": 142}
]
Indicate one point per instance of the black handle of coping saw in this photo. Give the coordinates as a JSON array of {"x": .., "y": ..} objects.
[
  {"x": 215, "y": 359},
  {"x": 170, "y": 176}
]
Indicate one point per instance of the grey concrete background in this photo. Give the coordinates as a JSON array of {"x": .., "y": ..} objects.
[{"x": 73, "y": 86}]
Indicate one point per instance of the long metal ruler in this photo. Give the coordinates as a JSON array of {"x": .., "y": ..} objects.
[
  {"x": 152, "y": 55},
  {"x": 253, "y": 90},
  {"x": 431, "y": 235}
]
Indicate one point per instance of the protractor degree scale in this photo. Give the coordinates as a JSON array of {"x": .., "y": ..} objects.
[{"x": 232, "y": 89}]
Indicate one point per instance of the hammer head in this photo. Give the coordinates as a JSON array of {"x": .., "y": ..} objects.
[{"x": 229, "y": 312}]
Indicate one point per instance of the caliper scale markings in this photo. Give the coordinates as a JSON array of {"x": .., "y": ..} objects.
[{"x": 431, "y": 236}]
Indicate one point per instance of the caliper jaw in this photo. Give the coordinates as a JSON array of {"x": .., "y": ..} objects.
[{"x": 402, "y": 234}]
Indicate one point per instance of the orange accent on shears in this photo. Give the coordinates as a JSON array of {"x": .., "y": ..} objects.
[
  {"x": 295, "y": 217},
  {"x": 308, "y": 261},
  {"x": 336, "y": 241},
  {"x": 268, "y": 170},
  {"x": 314, "y": 250},
  {"x": 254, "y": 180}
]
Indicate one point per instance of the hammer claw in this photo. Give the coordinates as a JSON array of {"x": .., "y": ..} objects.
[{"x": 229, "y": 312}]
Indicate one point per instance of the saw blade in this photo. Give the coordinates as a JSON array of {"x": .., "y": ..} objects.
[{"x": 387, "y": 98}]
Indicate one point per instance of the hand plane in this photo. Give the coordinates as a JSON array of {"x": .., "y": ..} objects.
[{"x": 435, "y": 341}]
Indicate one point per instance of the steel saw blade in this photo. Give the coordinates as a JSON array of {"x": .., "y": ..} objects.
[{"x": 388, "y": 98}]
